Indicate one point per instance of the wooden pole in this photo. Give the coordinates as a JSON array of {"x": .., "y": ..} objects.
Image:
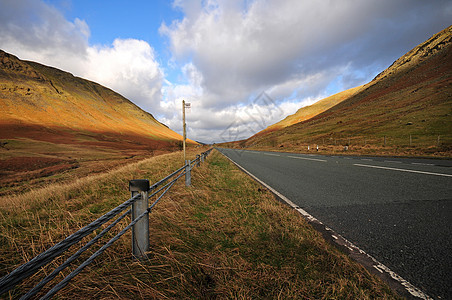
[{"x": 184, "y": 125}]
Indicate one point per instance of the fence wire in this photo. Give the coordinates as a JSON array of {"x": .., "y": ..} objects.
[
  {"x": 9, "y": 281},
  {"x": 55, "y": 272}
]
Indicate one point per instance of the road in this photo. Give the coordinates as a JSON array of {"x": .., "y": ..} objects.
[{"x": 397, "y": 210}]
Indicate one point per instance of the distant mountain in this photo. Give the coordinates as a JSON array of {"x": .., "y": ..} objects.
[
  {"x": 412, "y": 97},
  {"x": 42, "y": 102}
]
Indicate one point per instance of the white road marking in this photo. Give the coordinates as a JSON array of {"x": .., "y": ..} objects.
[
  {"x": 314, "y": 159},
  {"x": 378, "y": 269},
  {"x": 368, "y": 159},
  {"x": 404, "y": 170},
  {"x": 422, "y": 164},
  {"x": 272, "y": 154}
]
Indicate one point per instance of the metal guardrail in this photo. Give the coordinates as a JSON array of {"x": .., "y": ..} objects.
[{"x": 141, "y": 193}]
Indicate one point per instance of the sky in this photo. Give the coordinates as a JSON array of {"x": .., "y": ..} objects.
[{"x": 242, "y": 64}]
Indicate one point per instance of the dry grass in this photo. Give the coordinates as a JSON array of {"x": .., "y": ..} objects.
[
  {"x": 34, "y": 221},
  {"x": 223, "y": 237}
]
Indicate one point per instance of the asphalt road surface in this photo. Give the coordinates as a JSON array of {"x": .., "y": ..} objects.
[{"x": 397, "y": 210}]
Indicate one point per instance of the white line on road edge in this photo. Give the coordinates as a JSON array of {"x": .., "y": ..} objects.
[
  {"x": 378, "y": 266},
  {"x": 404, "y": 170},
  {"x": 315, "y": 159}
]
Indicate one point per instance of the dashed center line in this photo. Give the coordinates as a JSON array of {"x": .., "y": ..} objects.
[
  {"x": 393, "y": 161},
  {"x": 367, "y": 159},
  {"x": 306, "y": 158},
  {"x": 272, "y": 154},
  {"x": 422, "y": 164},
  {"x": 404, "y": 170}
]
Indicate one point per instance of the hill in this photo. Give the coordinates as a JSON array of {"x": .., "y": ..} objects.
[
  {"x": 307, "y": 112},
  {"x": 36, "y": 95},
  {"x": 52, "y": 121},
  {"x": 404, "y": 110}
]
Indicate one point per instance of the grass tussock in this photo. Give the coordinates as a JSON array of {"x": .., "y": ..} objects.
[{"x": 223, "y": 237}]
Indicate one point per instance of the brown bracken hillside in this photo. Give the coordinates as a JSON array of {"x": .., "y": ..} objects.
[
  {"x": 405, "y": 110},
  {"x": 45, "y": 98},
  {"x": 52, "y": 121}
]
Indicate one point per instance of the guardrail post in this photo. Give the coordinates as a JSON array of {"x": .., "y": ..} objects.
[
  {"x": 140, "y": 231},
  {"x": 187, "y": 173},
  {"x": 198, "y": 160},
  {"x": 202, "y": 156}
]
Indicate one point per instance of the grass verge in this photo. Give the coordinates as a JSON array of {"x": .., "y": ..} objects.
[{"x": 223, "y": 237}]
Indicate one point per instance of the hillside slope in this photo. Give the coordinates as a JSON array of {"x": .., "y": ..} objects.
[
  {"x": 308, "y": 112},
  {"x": 32, "y": 94},
  {"x": 411, "y": 98},
  {"x": 52, "y": 122}
]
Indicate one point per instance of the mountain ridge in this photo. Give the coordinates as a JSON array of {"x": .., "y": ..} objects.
[{"x": 44, "y": 92}]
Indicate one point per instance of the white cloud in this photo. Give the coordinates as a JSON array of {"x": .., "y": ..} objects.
[
  {"x": 36, "y": 31},
  {"x": 129, "y": 67},
  {"x": 249, "y": 46},
  {"x": 239, "y": 51}
]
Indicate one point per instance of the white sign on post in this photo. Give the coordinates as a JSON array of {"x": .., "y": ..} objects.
[{"x": 187, "y": 107}]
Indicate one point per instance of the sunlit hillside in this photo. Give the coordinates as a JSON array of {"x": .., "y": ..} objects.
[
  {"x": 307, "y": 112},
  {"x": 36, "y": 95},
  {"x": 52, "y": 122}
]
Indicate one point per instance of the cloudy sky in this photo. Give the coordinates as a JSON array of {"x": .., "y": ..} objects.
[{"x": 242, "y": 64}]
